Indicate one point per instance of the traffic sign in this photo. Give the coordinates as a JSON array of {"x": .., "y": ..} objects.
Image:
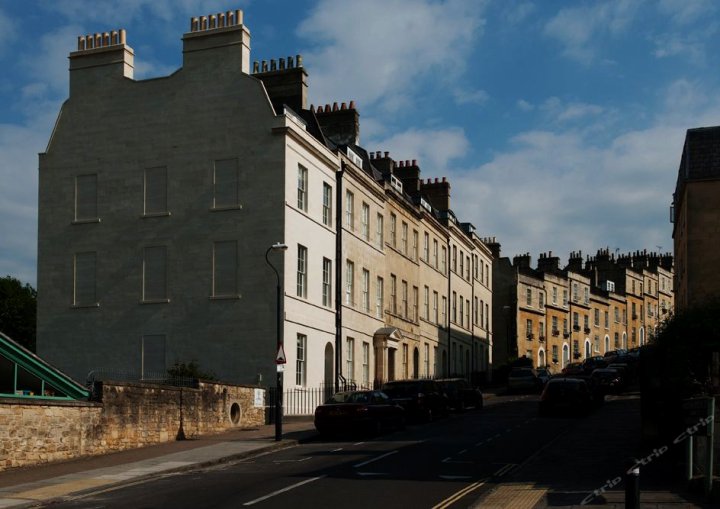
[{"x": 280, "y": 358}]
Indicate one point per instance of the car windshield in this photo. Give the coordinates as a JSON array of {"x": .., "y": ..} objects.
[
  {"x": 401, "y": 388},
  {"x": 350, "y": 397}
]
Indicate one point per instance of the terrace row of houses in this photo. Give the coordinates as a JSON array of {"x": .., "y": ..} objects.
[
  {"x": 167, "y": 204},
  {"x": 555, "y": 315}
]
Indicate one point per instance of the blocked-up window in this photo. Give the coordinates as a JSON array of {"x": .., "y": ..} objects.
[
  {"x": 153, "y": 356},
  {"x": 155, "y": 190},
  {"x": 84, "y": 288},
  {"x": 225, "y": 269},
  {"x": 154, "y": 273},
  {"x": 226, "y": 183},
  {"x": 86, "y": 197}
]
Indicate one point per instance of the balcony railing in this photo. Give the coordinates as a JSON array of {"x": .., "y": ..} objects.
[
  {"x": 576, "y": 327},
  {"x": 530, "y": 336},
  {"x": 555, "y": 332},
  {"x": 587, "y": 330}
]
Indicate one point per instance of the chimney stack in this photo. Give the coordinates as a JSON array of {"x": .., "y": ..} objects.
[
  {"x": 341, "y": 125},
  {"x": 437, "y": 193},
  {"x": 548, "y": 262},
  {"x": 285, "y": 83},
  {"x": 100, "y": 56},
  {"x": 409, "y": 174},
  {"x": 217, "y": 41}
]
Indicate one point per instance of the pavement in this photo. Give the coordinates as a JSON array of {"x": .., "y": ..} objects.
[{"x": 546, "y": 480}]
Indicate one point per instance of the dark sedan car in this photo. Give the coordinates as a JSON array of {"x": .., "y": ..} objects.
[
  {"x": 359, "y": 411},
  {"x": 608, "y": 380},
  {"x": 566, "y": 396},
  {"x": 422, "y": 399},
  {"x": 461, "y": 394}
]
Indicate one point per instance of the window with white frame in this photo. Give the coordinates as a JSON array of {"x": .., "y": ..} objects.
[
  {"x": 366, "y": 290},
  {"x": 435, "y": 307},
  {"x": 467, "y": 268},
  {"x": 454, "y": 258},
  {"x": 415, "y": 245},
  {"x": 426, "y": 247},
  {"x": 426, "y": 358},
  {"x": 444, "y": 311},
  {"x": 349, "y": 283},
  {"x": 541, "y": 299},
  {"x": 350, "y": 358},
  {"x": 404, "y": 238},
  {"x": 365, "y": 364},
  {"x": 379, "y": 297},
  {"x": 404, "y": 295},
  {"x": 482, "y": 315},
  {"x": 461, "y": 311},
  {"x": 393, "y": 230},
  {"x": 565, "y": 297},
  {"x": 327, "y": 204},
  {"x": 327, "y": 282},
  {"x": 301, "y": 290},
  {"x": 426, "y": 303},
  {"x": 454, "y": 307},
  {"x": 443, "y": 261},
  {"x": 435, "y": 253},
  {"x": 415, "y": 301},
  {"x": 380, "y": 232},
  {"x": 586, "y": 295},
  {"x": 462, "y": 264},
  {"x": 487, "y": 316},
  {"x": 302, "y": 188},
  {"x": 405, "y": 361},
  {"x": 554, "y": 294},
  {"x": 365, "y": 222},
  {"x": 393, "y": 293},
  {"x": 300, "y": 360},
  {"x": 528, "y": 296},
  {"x": 349, "y": 210},
  {"x": 467, "y": 313},
  {"x": 475, "y": 311}
]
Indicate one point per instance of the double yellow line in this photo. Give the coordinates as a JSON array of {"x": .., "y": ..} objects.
[{"x": 460, "y": 494}]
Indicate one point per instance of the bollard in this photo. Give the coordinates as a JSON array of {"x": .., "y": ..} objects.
[{"x": 632, "y": 485}]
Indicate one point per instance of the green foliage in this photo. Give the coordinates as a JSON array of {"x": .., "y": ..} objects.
[
  {"x": 18, "y": 311},
  {"x": 190, "y": 370},
  {"x": 685, "y": 345}
]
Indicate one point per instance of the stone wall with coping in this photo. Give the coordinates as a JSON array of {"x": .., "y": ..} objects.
[{"x": 125, "y": 416}]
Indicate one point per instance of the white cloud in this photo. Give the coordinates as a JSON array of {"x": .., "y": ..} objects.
[
  {"x": 433, "y": 148},
  {"x": 463, "y": 96},
  {"x": 564, "y": 189},
  {"x": 8, "y": 31},
  {"x": 578, "y": 28},
  {"x": 375, "y": 51},
  {"x": 673, "y": 45},
  {"x": 687, "y": 11},
  {"x": 523, "y": 105},
  {"x": 519, "y": 12}
]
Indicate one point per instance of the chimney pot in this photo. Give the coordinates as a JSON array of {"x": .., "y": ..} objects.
[
  {"x": 335, "y": 106},
  {"x": 238, "y": 17},
  {"x": 402, "y": 164},
  {"x": 436, "y": 180},
  {"x": 407, "y": 162},
  {"x": 281, "y": 61},
  {"x": 264, "y": 66},
  {"x": 256, "y": 67},
  {"x": 312, "y": 108},
  {"x": 203, "y": 23},
  {"x": 387, "y": 154},
  {"x": 343, "y": 106},
  {"x": 298, "y": 60},
  {"x": 414, "y": 162},
  {"x": 213, "y": 21},
  {"x": 290, "y": 62},
  {"x": 273, "y": 65},
  {"x": 230, "y": 18},
  {"x": 444, "y": 180},
  {"x": 194, "y": 24},
  {"x": 221, "y": 20},
  {"x": 352, "y": 105}
]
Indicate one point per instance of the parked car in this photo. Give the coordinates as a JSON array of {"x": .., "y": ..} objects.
[
  {"x": 608, "y": 380},
  {"x": 359, "y": 411},
  {"x": 614, "y": 353},
  {"x": 543, "y": 374},
  {"x": 422, "y": 399},
  {"x": 570, "y": 396},
  {"x": 461, "y": 394},
  {"x": 592, "y": 363},
  {"x": 523, "y": 380},
  {"x": 574, "y": 368}
]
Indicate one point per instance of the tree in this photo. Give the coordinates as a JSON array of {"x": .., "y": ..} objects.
[{"x": 18, "y": 311}]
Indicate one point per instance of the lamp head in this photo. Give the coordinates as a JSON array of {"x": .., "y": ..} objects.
[{"x": 279, "y": 246}]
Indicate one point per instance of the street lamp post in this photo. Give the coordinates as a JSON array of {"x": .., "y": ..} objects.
[{"x": 278, "y": 246}]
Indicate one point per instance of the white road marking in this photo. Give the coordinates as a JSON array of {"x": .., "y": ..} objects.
[
  {"x": 278, "y": 492},
  {"x": 292, "y": 461},
  {"x": 338, "y": 449},
  {"x": 463, "y": 451},
  {"x": 374, "y": 459}
]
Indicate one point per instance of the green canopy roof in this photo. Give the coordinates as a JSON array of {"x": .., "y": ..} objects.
[{"x": 25, "y": 375}]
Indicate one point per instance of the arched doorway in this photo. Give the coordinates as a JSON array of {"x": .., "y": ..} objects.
[
  {"x": 642, "y": 336},
  {"x": 416, "y": 363},
  {"x": 588, "y": 348},
  {"x": 541, "y": 358},
  {"x": 607, "y": 343},
  {"x": 565, "y": 355},
  {"x": 329, "y": 373},
  {"x": 624, "y": 341}
]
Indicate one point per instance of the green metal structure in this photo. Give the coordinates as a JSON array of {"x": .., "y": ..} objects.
[{"x": 25, "y": 375}]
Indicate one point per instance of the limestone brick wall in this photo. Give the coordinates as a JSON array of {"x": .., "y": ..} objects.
[
  {"x": 126, "y": 416},
  {"x": 33, "y": 432}
]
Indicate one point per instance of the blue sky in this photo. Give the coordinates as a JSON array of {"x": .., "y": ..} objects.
[{"x": 559, "y": 124}]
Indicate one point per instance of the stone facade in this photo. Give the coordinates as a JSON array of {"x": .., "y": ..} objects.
[{"x": 125, "y": 416}]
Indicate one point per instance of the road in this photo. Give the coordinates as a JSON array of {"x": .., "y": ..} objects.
[{"x": 449, "y": 463}]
